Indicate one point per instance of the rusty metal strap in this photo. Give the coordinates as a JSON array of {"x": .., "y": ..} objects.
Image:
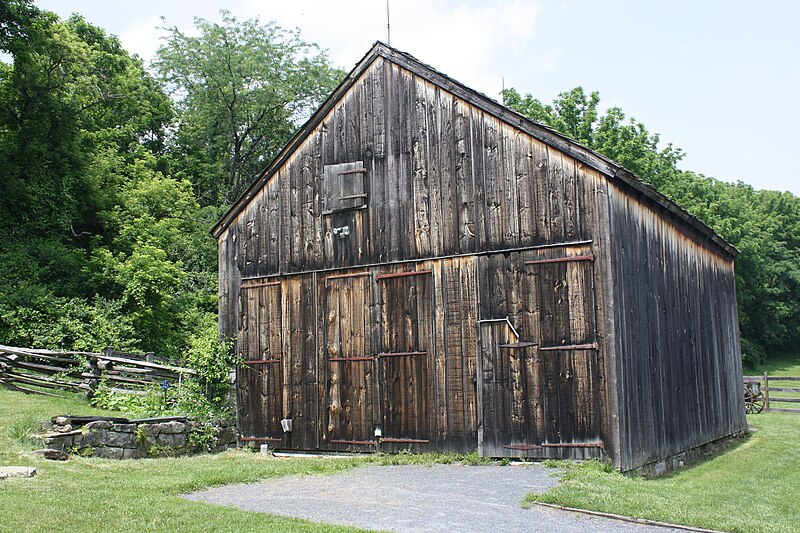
[
  {"x": 561, "y": 260},
  {"x": 261, "y": 361},
  {"x": 411, "y": 441},
  {"x": 573, "y": 445},
  {"x": 356, "y": 442},
  {"x": 261, "y": 284},
  {"x": 337, "y": 359},
  {"x": 402, "y": 274},
  {"x": 345, "y": 276},
  {"x": 259, "y": 439},
  {"x": 522, "y": 447}
]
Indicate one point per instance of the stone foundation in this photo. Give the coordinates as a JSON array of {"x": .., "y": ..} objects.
[
  {"x": 119, "y": 438},
  {"x": 688, "y": 457}
]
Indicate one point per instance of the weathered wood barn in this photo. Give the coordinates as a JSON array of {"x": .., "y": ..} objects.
[{"x": 422, "y": 267}]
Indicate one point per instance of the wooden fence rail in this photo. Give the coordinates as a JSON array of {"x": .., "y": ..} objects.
[
  {"x": 770, "y": 398},
  {"x": 22, "y": 368}
]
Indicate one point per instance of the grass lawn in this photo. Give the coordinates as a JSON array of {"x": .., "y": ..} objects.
[
  {"x": 85, "y": 494},
  {"x": 752, "y": 487},
  {"x": 786, "y": 365}
]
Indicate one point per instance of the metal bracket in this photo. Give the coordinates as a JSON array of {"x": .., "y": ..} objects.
[
  {"x": 342, "y": 232},
  {"x": 507, "y": 321}
]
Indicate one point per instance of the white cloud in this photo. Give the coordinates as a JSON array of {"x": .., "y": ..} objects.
[
  {"x": 142, "y": 38},
  {"x": 462, "y": 39}
]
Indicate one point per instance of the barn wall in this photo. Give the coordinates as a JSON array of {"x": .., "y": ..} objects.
[
  {"x": 443, "y": 178},
  {"x": 346, "y": 352},
  {"x": 678, "y": 353}
]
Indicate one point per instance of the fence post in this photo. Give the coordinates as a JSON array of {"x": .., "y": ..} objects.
[{"x": 766, "y": 391}]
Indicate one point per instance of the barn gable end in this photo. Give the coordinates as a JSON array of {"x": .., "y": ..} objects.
[{"x": 423, "y": 267}]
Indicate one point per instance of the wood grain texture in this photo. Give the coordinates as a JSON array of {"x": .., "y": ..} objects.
[
  {"x": 676, "y": 337},
  {"x": 449, "y": 276}
]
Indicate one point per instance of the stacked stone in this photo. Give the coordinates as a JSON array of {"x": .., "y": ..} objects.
[{"x": 135, "y": 439}]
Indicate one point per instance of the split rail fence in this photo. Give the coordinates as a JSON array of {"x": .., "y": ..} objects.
[
  {"x": 32, "y": 370},
  {"x": 786, "y": 393}
]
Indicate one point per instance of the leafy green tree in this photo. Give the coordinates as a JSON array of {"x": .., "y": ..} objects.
[
  {"x": 71, "y": 101},
  {"x": 241, "y": 87}
]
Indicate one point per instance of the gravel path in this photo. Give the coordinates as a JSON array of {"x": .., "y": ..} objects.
[{"x": 440, "y": 498}]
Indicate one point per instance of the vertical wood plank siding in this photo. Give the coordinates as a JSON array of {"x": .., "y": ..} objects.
[
  {"x": 506, "y": 337},
  {"x": 677, "y": 348}
]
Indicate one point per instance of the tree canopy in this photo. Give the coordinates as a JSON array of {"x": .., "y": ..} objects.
[
  {"x": 111, "y": 176},
  {"x": 240, "y": 88}
]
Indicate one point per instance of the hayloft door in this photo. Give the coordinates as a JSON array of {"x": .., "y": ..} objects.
[
  {"x": 405, "y": 358},
  {"x": 351, "y": 382},
  {"x": 260, "y": 376}
]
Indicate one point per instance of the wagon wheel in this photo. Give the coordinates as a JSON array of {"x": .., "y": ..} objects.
[
  {"x": 748, "y": 400},
  {"x": 753, "y": 402},
  {"x": 757, "y": 404}
]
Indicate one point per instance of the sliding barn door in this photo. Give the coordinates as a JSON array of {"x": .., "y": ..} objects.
[
  {"x": 405, "y": 367},
  {"x": 510, "y": 386},
  {"x": 539, "y": 376},
  {"x": 347, "y": 317},
  {"x": 569, "y": 351},
  {"x": 260, "y": 376}
]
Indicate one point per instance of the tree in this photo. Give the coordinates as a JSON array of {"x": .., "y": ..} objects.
[
  {"x": 241, "y": 87},
  {"x": 72, "y": 102},
  {"x": 70, "y": 90}
]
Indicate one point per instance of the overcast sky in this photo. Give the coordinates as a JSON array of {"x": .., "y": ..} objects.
[{"x": 719, "y": 79}]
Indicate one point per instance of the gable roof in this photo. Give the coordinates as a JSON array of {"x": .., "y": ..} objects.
[{"x": 537, "y": 130}]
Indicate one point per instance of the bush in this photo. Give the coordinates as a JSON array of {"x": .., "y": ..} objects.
[
  {"x": 752, "y": 354},
  {"x": 211, "y": 358},
  {"x": 186, "y": 398}
]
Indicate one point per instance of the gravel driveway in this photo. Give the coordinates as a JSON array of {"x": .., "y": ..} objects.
[{"x": 441, "y": 498}]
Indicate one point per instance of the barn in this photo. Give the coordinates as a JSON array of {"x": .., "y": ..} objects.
[{"x": 422, "y": 268}]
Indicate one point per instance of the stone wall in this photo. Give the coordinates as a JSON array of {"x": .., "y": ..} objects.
[{"x": 119, "y": 438}]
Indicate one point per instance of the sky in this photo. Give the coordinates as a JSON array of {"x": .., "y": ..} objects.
[{"x": 719, "y": 79}]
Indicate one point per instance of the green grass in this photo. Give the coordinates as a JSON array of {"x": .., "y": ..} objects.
[
  {"x": 785, "y": 365},
  {"x": 89, "y": 494},
  {"x": 752, "y": 487}
]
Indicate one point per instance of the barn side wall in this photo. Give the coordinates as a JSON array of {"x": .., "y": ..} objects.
[
  {"x": 678, "y": 355},
  {"x": 443, "y": 179}
]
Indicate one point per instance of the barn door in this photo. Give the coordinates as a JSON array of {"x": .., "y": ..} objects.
[
  {"x": 347, "y": 313},
  {"x": 405, "y": 357},
  {"x": 509, "y": 394},
  {"x": 260, "y": 377},
  {"x": 569, "y": 353}
]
